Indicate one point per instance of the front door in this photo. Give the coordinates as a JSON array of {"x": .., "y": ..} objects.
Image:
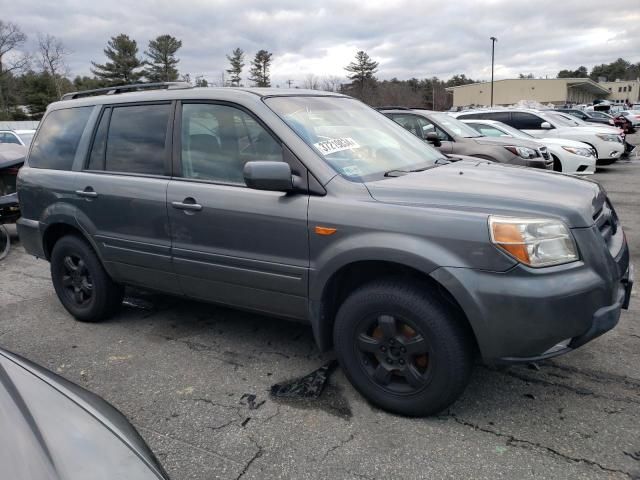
[
  {"x": 232, "y": 244},
  {"x": 122, "y": 192}
]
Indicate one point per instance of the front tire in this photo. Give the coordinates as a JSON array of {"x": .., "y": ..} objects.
[
  {"x": 402, "y": 348},
  {"x": 81, "y": 283}
]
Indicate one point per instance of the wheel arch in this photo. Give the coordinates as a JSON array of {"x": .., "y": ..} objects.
[{"x": 343, "y": 281}]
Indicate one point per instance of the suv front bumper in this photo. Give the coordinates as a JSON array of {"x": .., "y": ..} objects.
[{"x": 525, "y": 314}]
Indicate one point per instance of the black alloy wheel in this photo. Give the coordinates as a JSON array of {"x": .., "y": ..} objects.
[
  {"x": 76, "y": 280},
  {"x": 394, "y": 354}
]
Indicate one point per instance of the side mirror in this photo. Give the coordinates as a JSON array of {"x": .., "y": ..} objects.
[
  {"x": 432, "y": 137},
  {"x": 272, "y": 176},
  {"x": 546, "y": 126}
]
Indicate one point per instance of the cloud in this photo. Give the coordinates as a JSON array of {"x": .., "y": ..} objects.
[{"x": 409, "y": 38}]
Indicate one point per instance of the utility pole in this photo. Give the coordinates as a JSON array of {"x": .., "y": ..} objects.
[
  {"x": 289, "y": 83},
  {"x": 493, "y": 45}
]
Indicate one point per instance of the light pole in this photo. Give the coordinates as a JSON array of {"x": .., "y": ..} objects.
[{"x": 493, "y": 45}]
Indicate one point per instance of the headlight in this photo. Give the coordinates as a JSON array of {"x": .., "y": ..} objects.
[
  {"x": 608, "y": 137},
  {"x": 523, "y": 152},
  {"x": 537, "y": 242},
  {"x": 583, "y": 152}
]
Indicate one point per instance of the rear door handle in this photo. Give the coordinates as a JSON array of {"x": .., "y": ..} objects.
[
  {"x": 87, "y": 192},
  {"x": 188, "y": 204}
]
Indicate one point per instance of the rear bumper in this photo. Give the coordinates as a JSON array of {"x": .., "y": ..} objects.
[
  {"x": 30, "y": 235},
  {"x": 526, "y": 314}
]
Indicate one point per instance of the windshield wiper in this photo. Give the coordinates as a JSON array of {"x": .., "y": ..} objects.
[{"x": 399, "y": 173}]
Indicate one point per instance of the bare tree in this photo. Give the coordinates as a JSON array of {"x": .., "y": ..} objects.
[
  {"x": 311, "y": 82},
  {"x": 11, "y": 38},
  {"x": 52, "y": 52},
  {"x": 332, "y": 83}
]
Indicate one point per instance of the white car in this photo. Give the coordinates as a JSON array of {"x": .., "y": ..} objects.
[
  {"x": 569, "y": 156},
  {"x": 607, "y": 141},
  {"x": 17, "y": 137}
]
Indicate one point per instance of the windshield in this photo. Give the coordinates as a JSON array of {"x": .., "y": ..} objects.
[
  {"x": 355, "y": 140},
  {"x": 455, "y": 126},
  {"x": 514, "y": 132},
  {"x": 561, "y": 120}
]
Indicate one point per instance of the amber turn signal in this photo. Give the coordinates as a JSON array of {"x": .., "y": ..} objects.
[
  {"x": 325, "y": 230},
  {"x": 509, "y": 237}
]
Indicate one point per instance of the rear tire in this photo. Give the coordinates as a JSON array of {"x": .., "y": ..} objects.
[
  {"x": 402, "y": 348},
  {"x": 81, "y": 283}
]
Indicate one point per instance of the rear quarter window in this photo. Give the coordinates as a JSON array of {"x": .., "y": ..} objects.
[{"x": 57, "y": 141}]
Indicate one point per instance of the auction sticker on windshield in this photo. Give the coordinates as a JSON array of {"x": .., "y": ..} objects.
[{"x": 327, "y": 147}]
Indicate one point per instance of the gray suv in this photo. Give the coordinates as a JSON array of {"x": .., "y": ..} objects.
[{"x": 314, "y": 207}]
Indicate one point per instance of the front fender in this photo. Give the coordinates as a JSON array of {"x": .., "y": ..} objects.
[{"x": 414, "y": 252}]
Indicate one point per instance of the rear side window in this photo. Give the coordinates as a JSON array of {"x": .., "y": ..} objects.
[
  {"x": 525, "y": 121},
  {"x": 57, "y": 141},
  {"x": 132, "y": 139}
]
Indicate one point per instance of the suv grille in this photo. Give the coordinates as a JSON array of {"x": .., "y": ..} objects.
[
  {"x": 606, "y": 221},
  {"x": 544, "y": 153}
]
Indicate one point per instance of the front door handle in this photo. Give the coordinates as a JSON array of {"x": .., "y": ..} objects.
[
  {"x": 88, "y": 192},
  {"x": 188, "y": 204}
]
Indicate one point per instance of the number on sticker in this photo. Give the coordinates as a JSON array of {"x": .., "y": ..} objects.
[{"x": 334, "y": 145}]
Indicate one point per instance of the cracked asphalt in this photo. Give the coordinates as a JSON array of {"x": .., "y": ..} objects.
[{"x": 184, "y": 373}]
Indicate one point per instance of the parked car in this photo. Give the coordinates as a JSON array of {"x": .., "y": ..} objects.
[
  {"x": 605, "y": 140},
  {"x": 568, "y": 156},
  {"x": 631, "y": 115},
  {"x": 312, "y": 206},
  {"x": 623, "y": 123},
  {"x": 53, "y": 429},
  {"x": 451, "y": 136},
  {"x": 588, "y": 116},
  {"x": 11, "y": 160},
  {"x": 18, "y": 137}
]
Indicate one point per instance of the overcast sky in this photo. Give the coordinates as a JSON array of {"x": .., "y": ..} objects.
[{"x": 409, "y": 38}]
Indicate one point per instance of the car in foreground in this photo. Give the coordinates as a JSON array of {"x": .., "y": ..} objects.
[
  {"x": 451, "y": 136},
  {"x": 314, "y": 207},
  {"x": 592, "y": 116},
  {"x": 605, "y": 140},
  {"x": 17, "y": 137},
  {"x": 568, "y": 156},
  {"x": 54, "y": 429}
]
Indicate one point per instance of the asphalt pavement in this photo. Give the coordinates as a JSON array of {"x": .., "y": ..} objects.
[{"x": 195, "y": 379}]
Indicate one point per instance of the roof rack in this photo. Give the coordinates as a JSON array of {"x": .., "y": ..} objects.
[{"x": 126, "y": 88}]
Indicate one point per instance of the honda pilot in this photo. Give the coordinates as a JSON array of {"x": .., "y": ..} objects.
[{"x": 313, "y": 207}]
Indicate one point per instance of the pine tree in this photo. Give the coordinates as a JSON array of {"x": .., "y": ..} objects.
[
  {"x": 162, "y": 59},
  {"x": 259, "y": 73},
  {"x": 124, "y": 62},
  {"x": 236, "y": 59},
  {"x": 362, "y": 70}
]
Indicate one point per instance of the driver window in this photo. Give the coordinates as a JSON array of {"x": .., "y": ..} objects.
[
  {"x": 217, "y": 140},
  {"x": 426, "y": 126}
]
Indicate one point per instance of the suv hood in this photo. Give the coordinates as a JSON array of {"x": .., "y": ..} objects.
[
  {"x": 563, "y": 142},
  {"x": 504, "y": 141},
  {"x": 498, "y": 189},
  {"x": 558, "y": 132}
]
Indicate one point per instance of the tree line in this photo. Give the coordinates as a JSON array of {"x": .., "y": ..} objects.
[{"x": 30, "y": 81}]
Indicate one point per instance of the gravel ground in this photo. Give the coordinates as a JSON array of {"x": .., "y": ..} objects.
[{"x": 181, "y": 371}]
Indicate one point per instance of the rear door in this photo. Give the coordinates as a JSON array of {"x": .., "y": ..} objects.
[
  {"x": 233, "y": 244},
  {"x": 528, "y": 123},
  {"x": 123, "y": 187}
]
